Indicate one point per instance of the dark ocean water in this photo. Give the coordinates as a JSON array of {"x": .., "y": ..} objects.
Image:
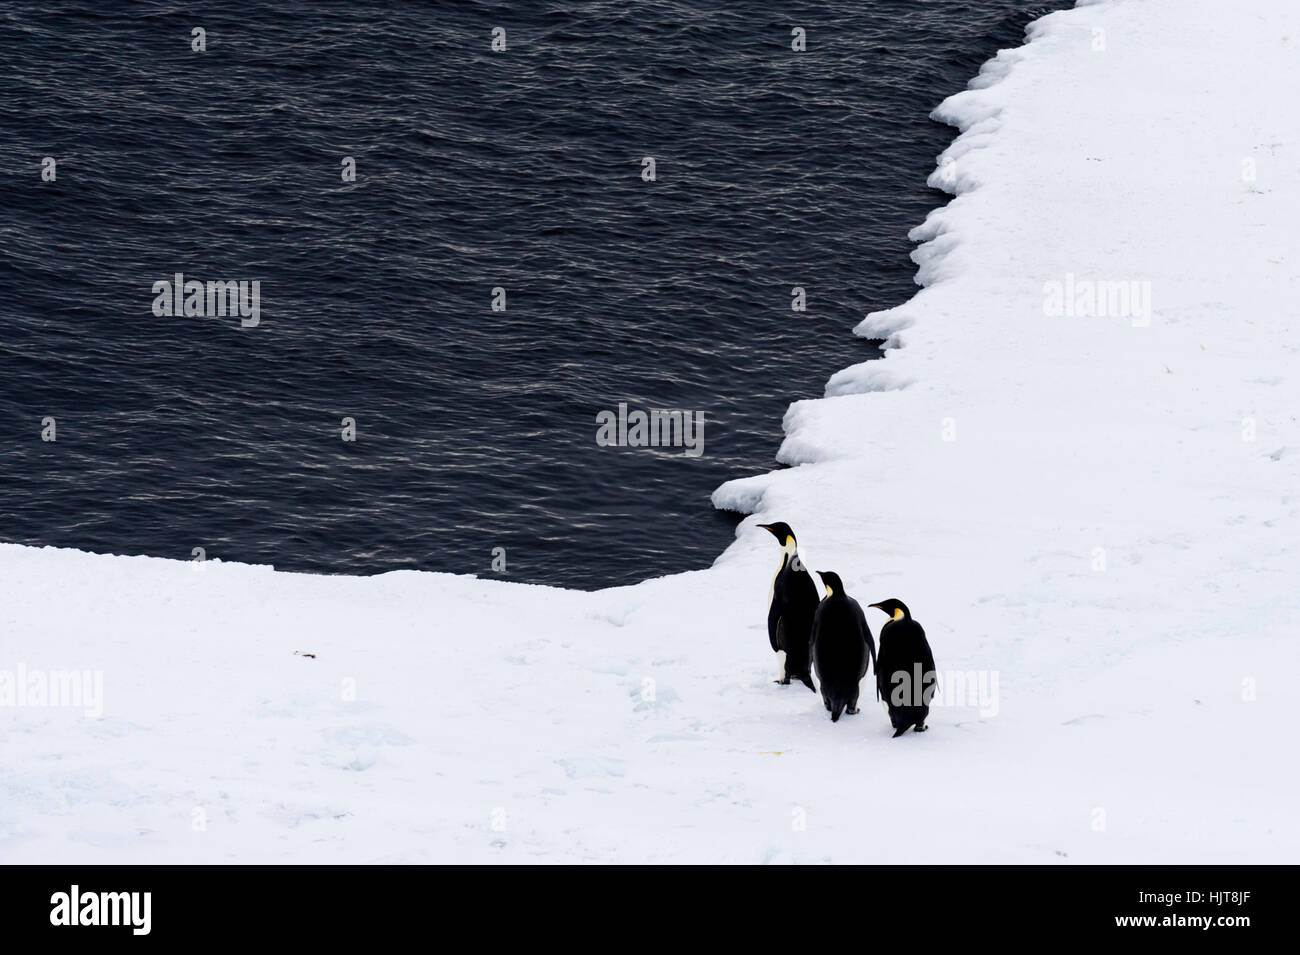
[{"x": 522, "y": 169}]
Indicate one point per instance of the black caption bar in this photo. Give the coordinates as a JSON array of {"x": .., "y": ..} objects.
[{"x": 136, "y": 905}]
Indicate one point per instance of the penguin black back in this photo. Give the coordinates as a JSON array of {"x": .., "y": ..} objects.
[
  {"x": 841, "y": 647},
  {"x": 905, "y": 674},
  {"x": 791, "y": 606}
]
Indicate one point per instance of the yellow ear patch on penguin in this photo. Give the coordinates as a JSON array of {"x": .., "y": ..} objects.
[
  {"x": 898, "y": 614},
  {"x": 828, "y": 592},
  {"x": 789, "y": 539}
]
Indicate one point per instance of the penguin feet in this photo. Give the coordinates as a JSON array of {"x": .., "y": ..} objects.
[
  {"x": 921, "y": 727},
  {"x": 785, "y": 682},
  {"x": 852, "y": 711}
]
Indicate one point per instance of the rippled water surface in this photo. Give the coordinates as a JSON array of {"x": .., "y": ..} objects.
[{"x": 475, "y": 429}]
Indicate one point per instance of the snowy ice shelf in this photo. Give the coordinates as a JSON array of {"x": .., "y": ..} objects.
[{"x": 1095, "y": 510}]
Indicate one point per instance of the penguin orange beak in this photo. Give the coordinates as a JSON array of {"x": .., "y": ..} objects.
[{"x": 877, "y": 606}]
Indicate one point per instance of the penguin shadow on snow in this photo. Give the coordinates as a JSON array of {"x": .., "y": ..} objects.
[{"x": 829, "y": 637}]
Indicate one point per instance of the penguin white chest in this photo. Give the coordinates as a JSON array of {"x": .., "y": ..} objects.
[{"x": 788, "y": 554}]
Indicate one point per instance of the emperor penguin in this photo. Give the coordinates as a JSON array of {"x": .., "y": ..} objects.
[
  {"x": 790, "y": 607},
  {"x": 905, "y": 673},
  {"x": 842, "y": 646}
]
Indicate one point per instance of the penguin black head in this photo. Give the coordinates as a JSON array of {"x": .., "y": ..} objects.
[
  {"x": 834, "y": 586},
  {"x": 896, "y": 609},
  {"x": 781, "y": 531}
]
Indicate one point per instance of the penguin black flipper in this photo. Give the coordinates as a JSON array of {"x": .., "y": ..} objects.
[
  {"x": 774, "y": 614},
  {"x": 883, "y": 668},
  {"x": 775, "y": 634},
  {"x": 805, "y": 674},
  {"x": 869, "y": 658},
  {"x": 864, "y": 630},
  {"x": 875, "y": 664},
  {"x": 778, "y": 644},
  {"x": 886, "y": 664},
  {"x": 927, "y": 667}
]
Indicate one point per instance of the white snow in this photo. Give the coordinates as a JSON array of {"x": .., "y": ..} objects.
[{"x": 1112, "y": 531}]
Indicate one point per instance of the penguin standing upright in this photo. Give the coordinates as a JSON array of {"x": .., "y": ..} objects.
[
  {"x": 905, "y": 673},
  {"x": 790, "y": 608},
  {"x": 841, "y": 647}
]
